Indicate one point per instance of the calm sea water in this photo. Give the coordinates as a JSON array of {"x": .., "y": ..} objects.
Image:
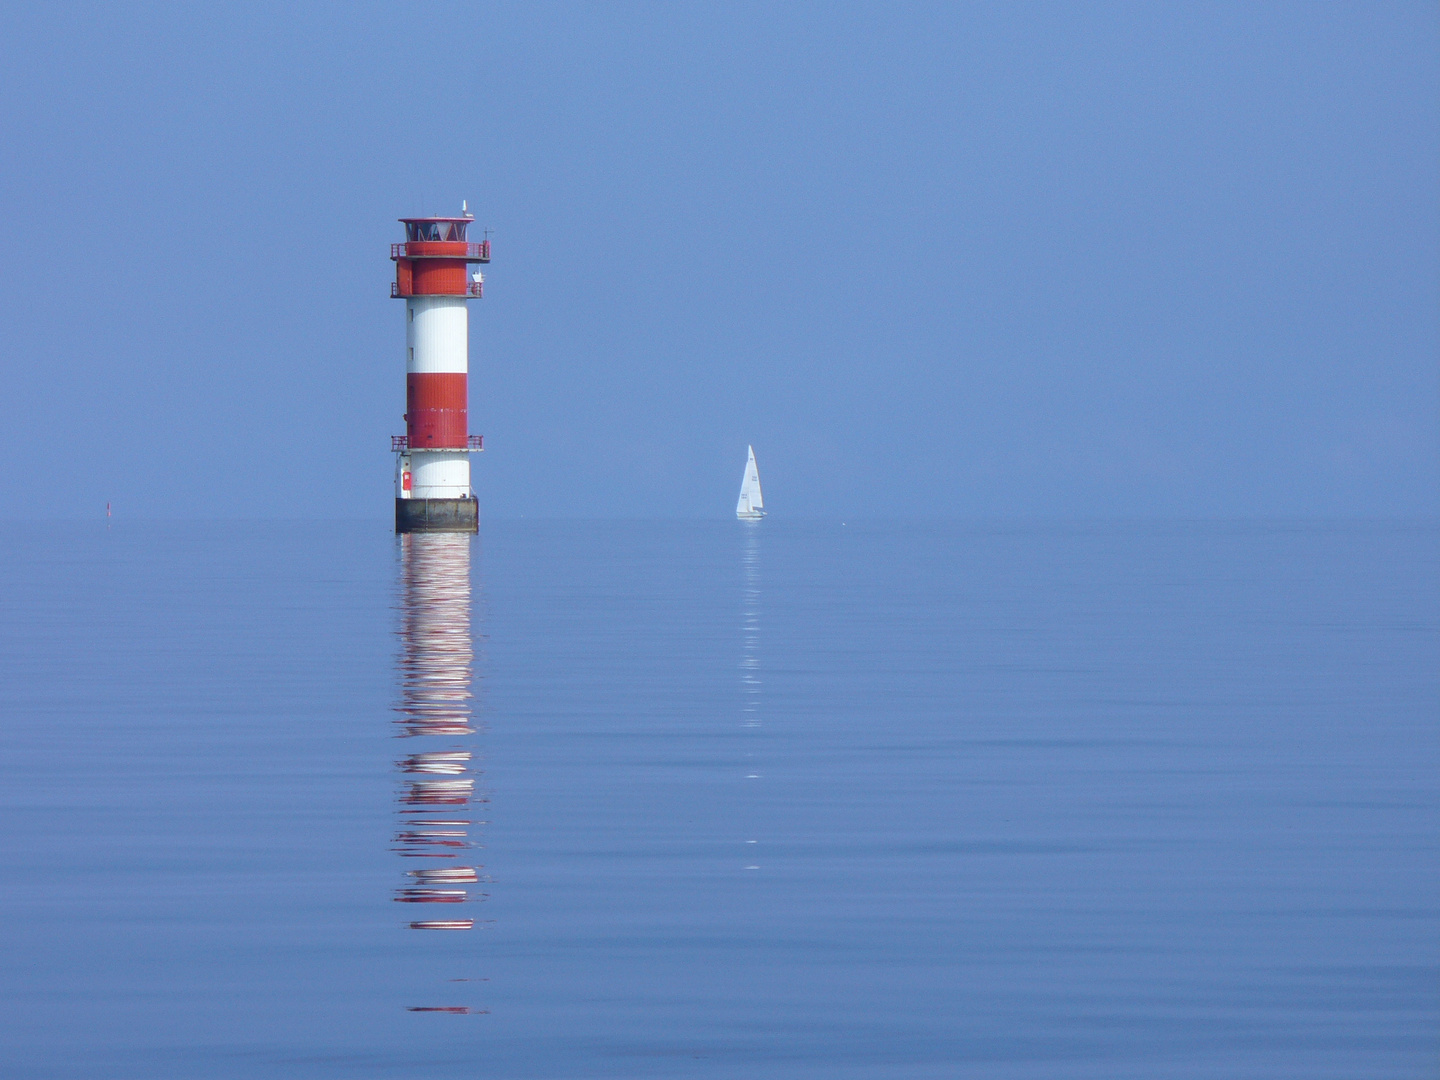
[{"x": 775, "y": 800}]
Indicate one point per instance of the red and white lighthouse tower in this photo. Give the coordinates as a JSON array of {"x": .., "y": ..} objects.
[{"x": 432, "y": 458}]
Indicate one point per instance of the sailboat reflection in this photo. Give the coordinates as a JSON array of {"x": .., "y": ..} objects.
[
  {"x": 436, "y": 671},
  {"x": 750, "y": 663},
  {"x": 750, "y": 654}
]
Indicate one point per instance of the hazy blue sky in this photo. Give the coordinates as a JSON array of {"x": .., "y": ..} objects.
[{"x": 1149, "y": 259}]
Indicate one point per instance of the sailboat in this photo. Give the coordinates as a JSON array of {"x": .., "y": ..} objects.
[{"x": 751, "y": 506}]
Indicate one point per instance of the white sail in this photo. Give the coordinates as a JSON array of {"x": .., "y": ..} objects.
[{"x": 751, "y": 506}]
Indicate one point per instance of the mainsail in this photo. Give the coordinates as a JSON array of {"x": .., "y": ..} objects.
[{"x": 752, "y": 504}]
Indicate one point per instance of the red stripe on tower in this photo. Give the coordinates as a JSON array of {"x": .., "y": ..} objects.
[{"x": 435, "y": 405}]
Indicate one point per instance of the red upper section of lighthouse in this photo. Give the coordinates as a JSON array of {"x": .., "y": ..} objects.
[{"x": 433, "y": 259}]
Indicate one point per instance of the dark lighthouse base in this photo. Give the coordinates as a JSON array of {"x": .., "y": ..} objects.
[{"x": 437, "y": 515}]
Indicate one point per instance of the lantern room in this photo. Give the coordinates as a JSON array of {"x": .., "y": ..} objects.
[{"x": 435, "y": 258}]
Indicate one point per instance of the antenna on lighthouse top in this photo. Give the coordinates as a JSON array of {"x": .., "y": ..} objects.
[{"x": 465, "y": 208}]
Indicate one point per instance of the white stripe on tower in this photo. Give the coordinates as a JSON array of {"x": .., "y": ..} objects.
[{"x": 437, "y": 335}]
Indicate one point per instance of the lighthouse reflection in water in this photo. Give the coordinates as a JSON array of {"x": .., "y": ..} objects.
[{"x": 438, "y": 816}]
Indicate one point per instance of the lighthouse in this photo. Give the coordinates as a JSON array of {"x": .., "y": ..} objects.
[{"x": 432, "y": 459}]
